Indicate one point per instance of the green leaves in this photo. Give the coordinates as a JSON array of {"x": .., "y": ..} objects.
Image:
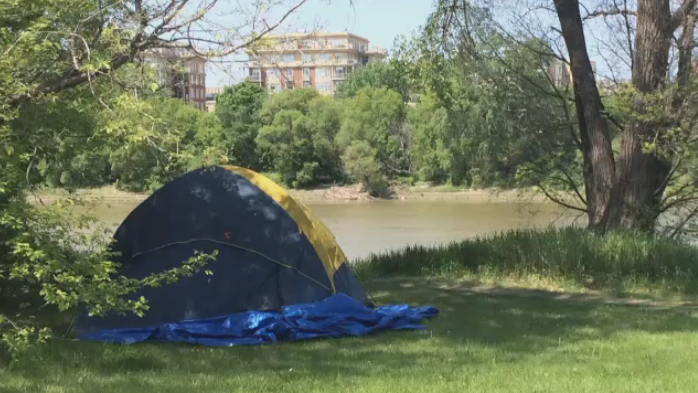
[
  {"x": 238, "y": 109},
  {"x": 298, "y": 138},
  {"x": 377, "y": 116}
]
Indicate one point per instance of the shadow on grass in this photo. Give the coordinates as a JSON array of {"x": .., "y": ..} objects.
[{"x": 471, "y": 328}]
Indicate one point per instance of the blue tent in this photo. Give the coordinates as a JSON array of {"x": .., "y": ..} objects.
[{"x": 275, "y": 259}]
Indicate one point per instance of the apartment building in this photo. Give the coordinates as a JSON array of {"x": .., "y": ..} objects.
[
  {"x": 182, "y": 72},
  {"x": 561, "y": 74},
  {"x": 211, "y": 94},
  {"x": 318, "y": 60}
]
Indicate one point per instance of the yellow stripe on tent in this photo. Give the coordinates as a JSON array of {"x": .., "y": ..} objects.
[{"x": 320, "y": 237}]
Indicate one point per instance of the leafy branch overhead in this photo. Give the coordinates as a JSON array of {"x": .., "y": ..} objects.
[{"x": 67, "y": 43}]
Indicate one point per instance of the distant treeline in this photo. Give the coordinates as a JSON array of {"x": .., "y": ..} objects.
[{"x": 386, "y": 124}]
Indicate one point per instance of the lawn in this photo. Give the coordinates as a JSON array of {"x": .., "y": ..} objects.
[{"x": 491, "y": 341}]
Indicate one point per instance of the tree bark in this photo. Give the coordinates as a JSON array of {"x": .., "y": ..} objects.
[
  {"x": 599, "y": 164},
  {"x": 686, "y": 44},
  {"x": 637, "y": 195}
]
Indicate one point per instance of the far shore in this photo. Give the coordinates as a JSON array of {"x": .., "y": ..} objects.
[{"x": 321, "y": 194}]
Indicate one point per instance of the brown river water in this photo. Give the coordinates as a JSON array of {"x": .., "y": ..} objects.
[{"x": 365, "y": 227}]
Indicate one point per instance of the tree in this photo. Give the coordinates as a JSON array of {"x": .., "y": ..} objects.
[
  {"x": 62, "y": 57},
  {"x": 430, "y": 150},
  {"x": 153, "y": 141},
  {"x": 628, "y": 192},
  {"x": 238, "y": 109},
  {"x": 376, "y": 75},
  {"x": 361, "y": 165},
  {"x": 377, "y": 116},
  {"x": 297, "y": 140},
  {"x": 504, "y": 124},
  {"x": 627, "y": 189}
]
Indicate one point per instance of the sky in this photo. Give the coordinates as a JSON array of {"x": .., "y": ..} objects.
[{"x": 380, "y": 21}]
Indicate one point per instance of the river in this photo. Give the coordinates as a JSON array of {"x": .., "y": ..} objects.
[{"x": 365, "y": 227}]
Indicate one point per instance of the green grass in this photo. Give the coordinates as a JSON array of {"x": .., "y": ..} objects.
[
  {"x": 486, "y": 339},
  {"x": 567, "y": 259},
  {"x": 482, "y": 342}
]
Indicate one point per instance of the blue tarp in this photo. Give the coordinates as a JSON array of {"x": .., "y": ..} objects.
[{"x": 336, "y": 316}]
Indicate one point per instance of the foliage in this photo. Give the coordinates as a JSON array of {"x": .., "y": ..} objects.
[
  {"x": 76, "y": 105},
  {"x": 297, "y": 139},
  {"x": 61, "y": 260},
  {"x": 377, "y": 75},
  {"x": 377, "y": 116},
  {"x": 238, "y": 110},
  {"x": 431, "y": 155},
  {"x": 361, "y": 165},
  {"x": 155, "y": 140}
]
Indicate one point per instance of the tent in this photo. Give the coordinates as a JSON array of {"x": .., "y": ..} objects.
[{"x": 272, "y": 251}]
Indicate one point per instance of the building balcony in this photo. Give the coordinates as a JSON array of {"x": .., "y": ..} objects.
[{"x": 374, "y": 50}]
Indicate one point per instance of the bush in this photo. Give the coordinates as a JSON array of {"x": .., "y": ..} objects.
[{"x": 361, "y": 165}]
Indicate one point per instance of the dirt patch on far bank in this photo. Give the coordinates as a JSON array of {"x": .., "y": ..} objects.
[{"x": 330, "y": 193}]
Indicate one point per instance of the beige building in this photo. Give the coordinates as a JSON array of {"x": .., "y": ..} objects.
[
  {"x": 561, "y": 74},
  {"x": 181, "y": 71},
  {"x": 211, "y": 94},
  {"x": 318, "y": 60}
]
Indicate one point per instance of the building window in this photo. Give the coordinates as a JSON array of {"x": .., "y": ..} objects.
[
  {"x": 325, "y": 57},
  {"x": 341, "y": 58},
  {"x": 325, "y": 87},
  {"x": 324, "y": 72},
  {"x": 321, "y": 43},
  {"x": 275, "y": 59},
  {"x": 307, "y": 58},
  {"x": 308, "y": 44},
  {"x": 289, "y": 85},
  {"x": 339, "y": 72},
  {"x": 307, "y": 84},
  {"x": 289, "y": 73},
  {"x": 289, "y": 59},
  {"x": 306, "y": 74},
  {"x": 255, "y": 74},
  {"x": 339, "y": 43},
  {"x": 362, "y": 47}
]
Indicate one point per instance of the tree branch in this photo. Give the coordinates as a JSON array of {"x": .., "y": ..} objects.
[
  {"x": 615, "y": 11},
  {"x": 680, "y": 15},
  {"x": 561, "y": 202}
]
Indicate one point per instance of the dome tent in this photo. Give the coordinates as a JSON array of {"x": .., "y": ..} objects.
[{"x": 272, "y": 251}]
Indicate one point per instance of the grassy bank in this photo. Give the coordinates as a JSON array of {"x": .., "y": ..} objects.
[
  {"x": 485, "y": 339},
  {"x": 566, "y": 259},
  {"x": 480, "y": 343}
]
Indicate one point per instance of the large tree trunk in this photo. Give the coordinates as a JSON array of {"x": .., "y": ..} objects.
[
  {"x": 642, "y": 175},
  {"x": 599, "y": 165},
  {"x": 630, "y": 195}
]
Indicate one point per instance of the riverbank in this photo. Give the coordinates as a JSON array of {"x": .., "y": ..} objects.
[
  {"x": 564, "y": 260},
  {"x": 328, "y": 193},
  {"x": 527, "y": 311}
]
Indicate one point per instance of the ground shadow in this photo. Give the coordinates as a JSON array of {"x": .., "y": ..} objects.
[{"x": 517, "y": 325}]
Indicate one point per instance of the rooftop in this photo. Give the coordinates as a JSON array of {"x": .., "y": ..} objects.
[{"x": 314, "y": 34}]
